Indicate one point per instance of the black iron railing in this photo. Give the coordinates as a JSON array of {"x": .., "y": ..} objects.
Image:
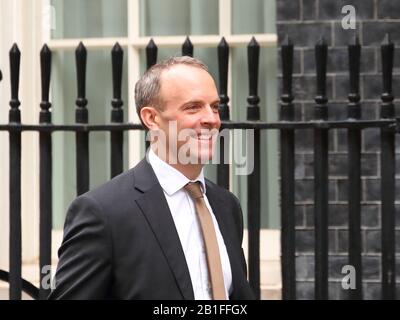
[{"x": 287, "y": 127}]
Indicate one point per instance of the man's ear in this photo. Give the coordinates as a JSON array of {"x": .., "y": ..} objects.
[{"x": 149, "y": 116}]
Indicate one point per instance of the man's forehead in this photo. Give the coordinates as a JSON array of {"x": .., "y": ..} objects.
[
  {"x": 181, "y": 70},
  {"x": 185, "y": 77}
]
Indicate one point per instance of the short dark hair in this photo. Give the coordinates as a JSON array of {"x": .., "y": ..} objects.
[{"x": 147, "y": 89}]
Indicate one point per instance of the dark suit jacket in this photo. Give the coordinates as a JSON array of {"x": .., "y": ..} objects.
[{"x": 120, "y": 242}]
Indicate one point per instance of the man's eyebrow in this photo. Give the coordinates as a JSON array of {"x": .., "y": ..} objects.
[{"x": 198, "y": 102}]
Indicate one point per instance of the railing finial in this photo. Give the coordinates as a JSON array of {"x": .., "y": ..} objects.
[
  {"x": 15, "y": 59},
  {"x": 253, "y": 54},
  {"x": 287, "y": 110},
  {"x": 321, "y": 54},
  {"x": 81, "y": 113},
  {"x": 45, "y": 69},
  {"x": 187, "y": 48},
  {"x": 151, "y": 53},
  {"x": 223, "y": 63},
  {"x": 354, "y": 50},
  {"x": 117, "y": 57},
  {"x": 387, "y": 55}
]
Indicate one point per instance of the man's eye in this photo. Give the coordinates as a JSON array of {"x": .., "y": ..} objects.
[
  {"x": 215, "y": 107},
  {"x": 192, "y": 107}
]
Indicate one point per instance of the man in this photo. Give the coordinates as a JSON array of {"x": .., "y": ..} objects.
[{"x": 160, "y": 230}]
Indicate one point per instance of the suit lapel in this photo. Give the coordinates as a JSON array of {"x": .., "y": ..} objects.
[{"x": 156, "y": 211}]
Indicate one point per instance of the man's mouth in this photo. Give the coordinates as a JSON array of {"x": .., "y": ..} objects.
[{"x": 204, "y": 136}]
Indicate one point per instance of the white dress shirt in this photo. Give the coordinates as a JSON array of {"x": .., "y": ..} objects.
[{"x": 184, "y": 215}]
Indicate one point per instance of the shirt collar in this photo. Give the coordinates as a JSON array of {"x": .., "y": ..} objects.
[{"x": 170, "y": 179}]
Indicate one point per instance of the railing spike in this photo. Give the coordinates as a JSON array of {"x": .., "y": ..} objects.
[
  {"x": 117, "y": 57},
  {"x": 253, "y": 41},
  {"x": 81, "y": 58},
  {"x": 117, "y": 47},
  {"x": 81, "y": 116},
  {"x": 45, "y": 69},
  {"x": 117, "y": 113},
  {"x": 286, "y": 41},
  {"x": 151, "y": 53},
  {"x": 15, "y": 59},
  {"x": 253, "y": 53},
  {"x": 223, "y": 42},
  {"x": 81, "y": 46},
  {"x": 223, "y": 63},
  {"x": 187, "y": 48},
  {"x": 387, "y": 55},
  {"x": 321, "y": 41},
  {"x": 354, "y": 50},
  {"x": 45, "y": 66},
  {"x": 81, "y": 113},
  {"x": 321, "y": 53},
  {"x": 287, "y": 65},
  {"x": 356, "y": 39},
  {"x": 387, "y": 39}
]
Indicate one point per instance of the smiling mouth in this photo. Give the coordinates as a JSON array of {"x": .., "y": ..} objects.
[{"x": 204, "y": 137}]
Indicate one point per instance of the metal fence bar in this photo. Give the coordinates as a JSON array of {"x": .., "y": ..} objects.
[
  {"x": 151, "y": 59},
  {"x": 15, "y": 180},
  {"x": 321, "y": 177},
  {"x": 27, "y": 287},
  {"x": 259, "y": 125},
  {"x": 223, "y": 63},
  {"x": 387, "y": 124},
  {"x": 151, "y": 54},
  {"x": 45, "y": 168},
  {"x": 287, "y": 177},
  {"x": 388, "y": 176},
  {"x": 81, "y": 116},
  {"x": 117, "y": 114},
  {"x": 253, "y": 190},
  {"x": 354, "y": 170},
  {"x": 187, "y": 48}
]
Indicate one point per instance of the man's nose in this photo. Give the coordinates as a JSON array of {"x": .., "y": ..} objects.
[{"x": 210, "y": 117}]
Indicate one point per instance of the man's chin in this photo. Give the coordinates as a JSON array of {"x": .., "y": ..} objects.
[
  {"x": 205, "y": 157},
  {"x": 200, "y": 158}
]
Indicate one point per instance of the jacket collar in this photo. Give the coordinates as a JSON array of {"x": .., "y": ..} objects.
[{"x": 155, "y": 209}]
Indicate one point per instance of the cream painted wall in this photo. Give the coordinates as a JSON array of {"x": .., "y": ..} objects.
[
  {"x": 5, "y": 41},
  {"x": 20, "y": 22}
]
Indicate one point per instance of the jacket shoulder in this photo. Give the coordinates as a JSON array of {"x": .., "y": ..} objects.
[
  {"x": 115, "y": 195},
  {"x": 221, "y": 192}
]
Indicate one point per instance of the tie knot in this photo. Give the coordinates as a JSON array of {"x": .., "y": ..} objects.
[{"x": 194, "y": 190}]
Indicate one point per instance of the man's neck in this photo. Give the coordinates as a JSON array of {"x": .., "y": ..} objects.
[{"x": 190, "y": 171}]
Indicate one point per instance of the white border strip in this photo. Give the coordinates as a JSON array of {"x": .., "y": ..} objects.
[
  {"x": 264, "y": 40},
  {"x": 133, "y": 75},
  {"x": 225, "y": 17}
]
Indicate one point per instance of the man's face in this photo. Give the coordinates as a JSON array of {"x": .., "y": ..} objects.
[{"x": 189, "y": 104}]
